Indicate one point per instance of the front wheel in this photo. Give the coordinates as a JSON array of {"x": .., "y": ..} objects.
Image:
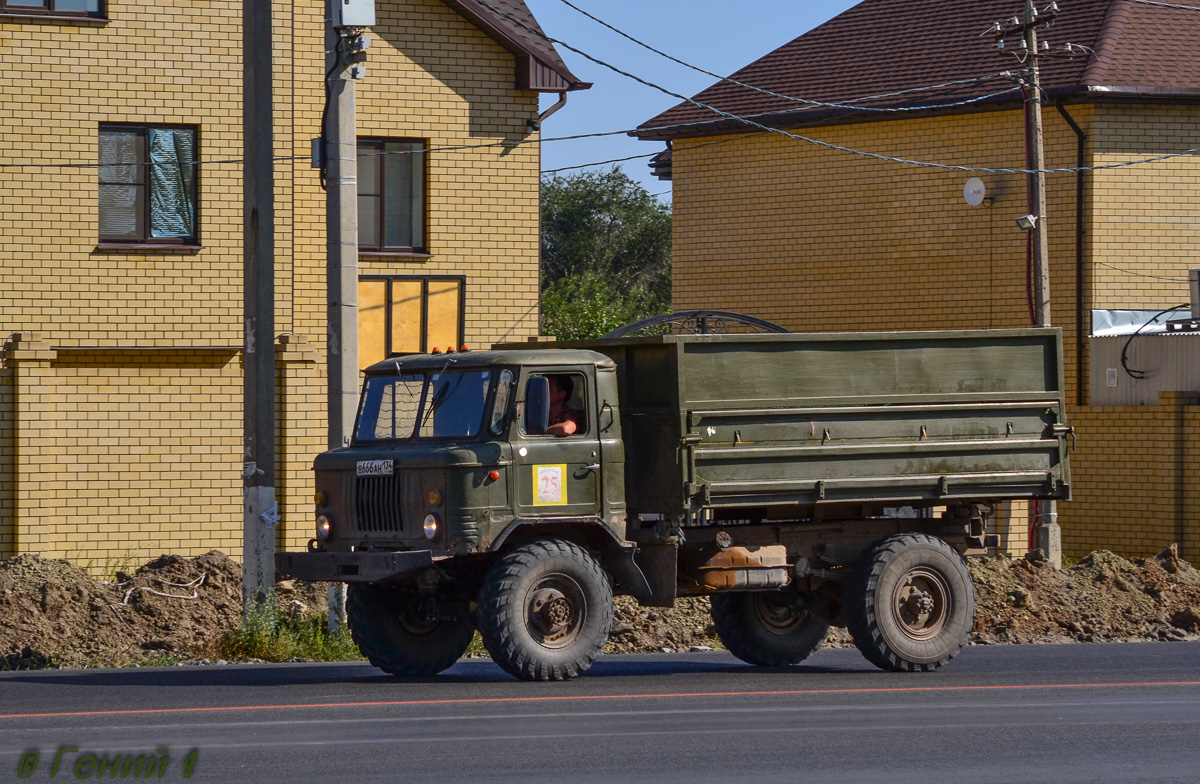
[
  {"x": 545, "y": 610},
  {"x": 912, "y": 603},
  {"x": 767, "y": 628},
  {"x": 395, "y": 635}
]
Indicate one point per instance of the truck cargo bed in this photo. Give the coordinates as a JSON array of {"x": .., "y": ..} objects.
[{"x": 896, "y": 418}]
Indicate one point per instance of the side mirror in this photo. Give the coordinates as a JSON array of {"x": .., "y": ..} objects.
[{"x": 537, "y": 406}]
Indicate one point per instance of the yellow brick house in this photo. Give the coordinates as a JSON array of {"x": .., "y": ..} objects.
[
  {"x": 121, "y": 259},
  {"x": 819, "y": 237}
]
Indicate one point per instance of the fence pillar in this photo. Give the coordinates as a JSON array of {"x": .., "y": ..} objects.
[{"x": 35, "y": 460}]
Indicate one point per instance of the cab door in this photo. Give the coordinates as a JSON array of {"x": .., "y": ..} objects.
[{"x": 560, "y": 476}]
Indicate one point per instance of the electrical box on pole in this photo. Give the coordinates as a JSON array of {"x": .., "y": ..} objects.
[{"x": 353, "y": 13}]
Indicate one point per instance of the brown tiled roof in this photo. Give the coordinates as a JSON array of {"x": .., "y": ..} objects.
[
  {"x": 543, "y": 68},
  {"x": 883, "y": 46}
]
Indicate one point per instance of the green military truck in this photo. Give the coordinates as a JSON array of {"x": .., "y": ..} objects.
[{"x": 799, "y": 481}]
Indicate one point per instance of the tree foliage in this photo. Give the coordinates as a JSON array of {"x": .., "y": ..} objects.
[{"x": 606, "y": 253}]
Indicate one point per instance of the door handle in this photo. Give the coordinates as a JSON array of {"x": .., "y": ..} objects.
[{"x": 592, "y": 467}]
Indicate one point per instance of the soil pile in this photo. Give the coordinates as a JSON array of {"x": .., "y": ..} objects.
[{"x": 55, "y": 614}]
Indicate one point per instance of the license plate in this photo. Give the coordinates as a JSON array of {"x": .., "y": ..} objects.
[{"x": 374, "y": 467}]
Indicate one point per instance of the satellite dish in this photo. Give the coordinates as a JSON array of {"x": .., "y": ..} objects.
[{"x": 974, "y": 191}]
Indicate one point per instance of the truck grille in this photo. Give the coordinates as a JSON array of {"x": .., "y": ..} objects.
[{"x": 377, "y": 503}]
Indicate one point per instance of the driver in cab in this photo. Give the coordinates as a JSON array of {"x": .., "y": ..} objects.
[{"x": 564, "y": 420}]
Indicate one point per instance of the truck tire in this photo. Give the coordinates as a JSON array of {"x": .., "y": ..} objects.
[
  {"x": 398, "y": 639},
  {"x": 912, "y": 603},
  {"x": 764, "y": 628},
  {"x": 545, "y": 610}
]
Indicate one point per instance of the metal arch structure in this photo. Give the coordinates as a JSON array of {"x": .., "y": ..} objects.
[{"x": 697, "y": 322}]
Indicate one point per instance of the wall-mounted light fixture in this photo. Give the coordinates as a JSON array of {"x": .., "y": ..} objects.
[{"x": 1027, "y": 222}]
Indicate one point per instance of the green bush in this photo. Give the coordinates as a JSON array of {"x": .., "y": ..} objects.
[{"x": 273, "y": 636}]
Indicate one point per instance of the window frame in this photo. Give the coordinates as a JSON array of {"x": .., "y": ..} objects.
[
  {"x": 189, "y": 243},
  {"x": 425, "y": 281},
  {"x": 376, "y": 144},
  {"x": 50, "y": 12}
]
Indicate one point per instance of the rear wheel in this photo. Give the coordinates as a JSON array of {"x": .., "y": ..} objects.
[
  {"x": 767, "y": 628},
  {"x": 545, "y": 610},
  {"x": 912, "y": 603},
  {"x": 397, "y": 636}
]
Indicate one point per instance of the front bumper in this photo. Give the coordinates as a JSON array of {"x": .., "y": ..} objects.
[{"x": 351, "y": 567}]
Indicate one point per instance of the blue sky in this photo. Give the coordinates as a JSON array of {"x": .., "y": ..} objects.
[{"x": 720, "y": 37}]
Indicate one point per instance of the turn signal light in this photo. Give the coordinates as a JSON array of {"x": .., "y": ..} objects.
[
  {"x": 494, "y": 475},
  {"x": 321, "y": 498}
]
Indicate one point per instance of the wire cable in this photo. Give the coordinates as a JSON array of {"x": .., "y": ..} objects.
[
  {"x": 810, "y": 101},
  {"x": 817, "y": 142},
  {"x": 1136, "y": 274},
  {"x": 1168, "y": 5},
  {"x": 1125, "y": 349}
]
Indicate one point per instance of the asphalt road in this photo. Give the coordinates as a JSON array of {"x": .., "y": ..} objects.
[{"x": 1127, "y": 712}]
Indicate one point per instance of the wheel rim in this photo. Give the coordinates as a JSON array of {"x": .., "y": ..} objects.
[
  {"x": 414, "y": 622},
  {"x": 555, "y": 610},
  {"x": 922, "y": 603},
  {"x": 777, "y": 615}
]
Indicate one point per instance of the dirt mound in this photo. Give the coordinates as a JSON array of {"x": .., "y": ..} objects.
[
  {"x": 1102, "y": 598},
  {"x": 56, "y": 615}
]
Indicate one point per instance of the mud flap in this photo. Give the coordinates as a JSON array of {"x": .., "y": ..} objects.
[{"x": 658, "y": 563}]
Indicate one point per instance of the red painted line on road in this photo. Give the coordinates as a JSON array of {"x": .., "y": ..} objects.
[{"x": 591, "y": 697}]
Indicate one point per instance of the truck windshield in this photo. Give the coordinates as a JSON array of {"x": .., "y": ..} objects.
[{"x": 434, "y": 405}]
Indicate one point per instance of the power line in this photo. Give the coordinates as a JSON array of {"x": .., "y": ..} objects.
[
  {"x": 1168, "y": 5},
  {"x": 652, "y": 154},
  {"x": 1137, "y": 274},
  {"x": 817, "y": 142},
  {"x": 598, "y": 163},
  {"x": 809, "y": 101}
]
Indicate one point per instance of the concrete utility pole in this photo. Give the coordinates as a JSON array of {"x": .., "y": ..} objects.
[
  {"x": 258, "y": 357},
  {"x": 1033, "y": 111},
  {"x": 346, "y": 47},
  {"x": 1049, "y": 534}
]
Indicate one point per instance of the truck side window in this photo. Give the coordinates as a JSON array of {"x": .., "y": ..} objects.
[
  {"x": 500, "y": 406},
  {"x": 567, "y": 404}
]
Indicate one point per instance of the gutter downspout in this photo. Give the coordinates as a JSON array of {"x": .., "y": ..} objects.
[
  {"x": 1080, "y": 162},
  {"x": 533, "y": 126}
]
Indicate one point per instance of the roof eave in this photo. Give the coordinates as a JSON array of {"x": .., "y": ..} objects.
[
  {"x": 817, "y": 118},
  {"x": 527, "y": 76}
]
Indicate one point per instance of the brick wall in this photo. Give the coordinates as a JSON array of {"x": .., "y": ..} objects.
[
  {"x": 431, "y": 75},
  {"x": 1144, "y": 236},
  {"x": 1135, "y": 479}
]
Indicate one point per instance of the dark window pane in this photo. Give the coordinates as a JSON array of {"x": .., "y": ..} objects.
[
  {"x": 121, "y": 211},
  {"x": 368, "y": 221},
  {"x": 28, "y": 3},
  {"x": 90, "y": 6},
  {"x": 404, "y": 184},
  {"x": 368, "y": 169}
]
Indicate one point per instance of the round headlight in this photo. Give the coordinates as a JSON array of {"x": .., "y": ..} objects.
[
  {"x": 431, "y": 526},
  {"x": 324, "y": 527}
]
